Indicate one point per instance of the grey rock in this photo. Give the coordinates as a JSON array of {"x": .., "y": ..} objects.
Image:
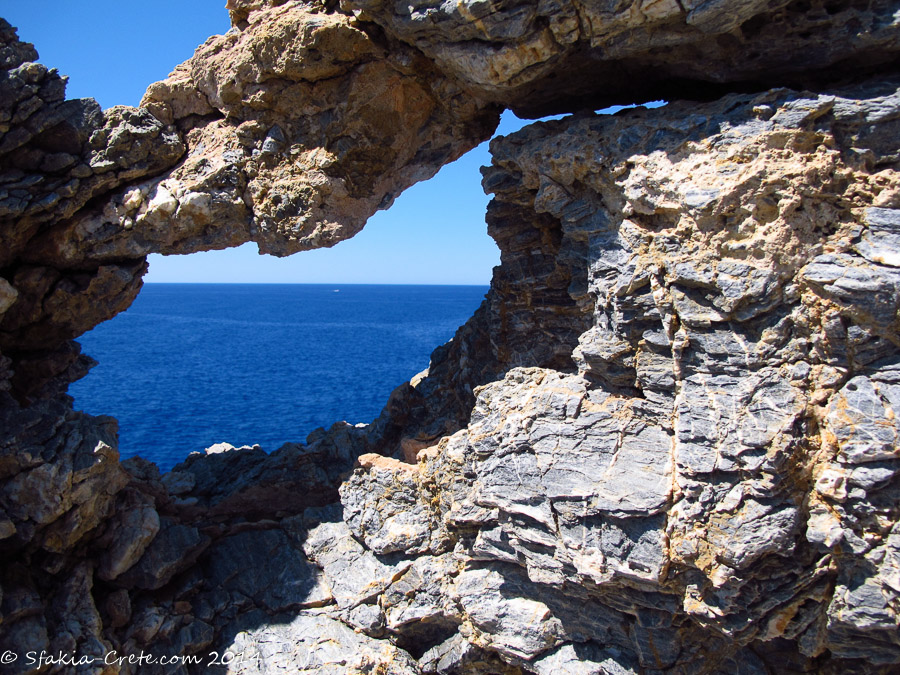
[
  {"x": 266, "y": 567},
  {"x": 867, "y": 288},
  {"x": 536, "y": 57},
  {"x": 456, "y": 654},
  {"x": 248, "y": 482},
  {"x": 584, "y": 659},
  {"x": 665, "y": 442},
  {"x": 174, "y": 548},
  {"x": 863, "y": 609},
  {"x": 118, "y": 608},
  {"x": 146, "y": 624},
  {"x": 131, "y": 530},
  {"x": 383, "y": 508},
  {"x": 353, "y": 573},
  {"x": 419, "y": 599},
  {"x": 64, "y": 484},
  {"x": 315, "y": 643},
  {"x": 513, "y": 626},
  {"x": 603, "y": 548},
  {"x": 193, "y": 638},
  {"x": 567, "y": 449},
  {"x": 880, "y": 241},
  {"x": 179, "y": 482},
  {"x": 448, "y": 656},
  {"x": 367, "y": 618},
  {"x": 77, "y": 626},
  {"x": 862, "y": 417}
]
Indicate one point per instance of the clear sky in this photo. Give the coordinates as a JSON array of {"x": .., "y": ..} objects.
[{"x": 113, "y": 49}]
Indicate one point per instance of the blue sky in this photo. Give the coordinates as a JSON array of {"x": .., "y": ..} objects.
[{"x": 112, "y": 50}]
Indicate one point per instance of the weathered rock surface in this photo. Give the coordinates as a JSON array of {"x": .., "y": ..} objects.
[
  {"x": 559, "y": 55},
  {"x": 290, "y": 132},
  {"x": 298, "y": 127},
  {"x": 684, "y": 499},
  {"x": 666, "y": 442},
  {"x": 704, "y": 241},
  {"x": 55, "y": 156}
]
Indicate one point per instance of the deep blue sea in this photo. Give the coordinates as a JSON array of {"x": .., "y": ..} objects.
[{"x": 189, "y": 365}]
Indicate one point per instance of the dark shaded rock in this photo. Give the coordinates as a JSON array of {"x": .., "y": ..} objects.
[
  {"x": 173, "y": 550},
  {"x": 265, "y": 567}
]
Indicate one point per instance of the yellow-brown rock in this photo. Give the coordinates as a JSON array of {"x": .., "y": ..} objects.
[{"x": 299, "y": 126}]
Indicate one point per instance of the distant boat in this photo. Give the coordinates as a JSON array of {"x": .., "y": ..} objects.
[{"x": 337, "y": 290}]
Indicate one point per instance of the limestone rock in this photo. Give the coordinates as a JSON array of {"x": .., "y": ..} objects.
[
  {"x": 324, "y": 124},
  {"x": 55, "y": 307},
  {"x": 353, "y": 573},
  {"x": 560, "y": 55},
  {"x": 55, "y": 157},
  {"x": 880, "y": 240},
  {"x": 457, "y": 654},
  {"x": 132, "y": 529},
  {"x": 172, "y": 550},
  {"x": 246, "y": 481},
  {"x": 666, "y": 442},
  {"x": 299, "y": 126},
  {"x": 418, "y": 605},
  {"x": 383, "y": 509},
  {"x": 61, "y": 475},
  {"x": 179, "y": 482},
  {"x": 315, "y": 643},
  {"x": 265, "y": 567},
  {"x": 666, "y": 477},
  {"x": 584, "y": 659},
  {"x": 736, "y": 353},
  {"x": 78, "y": 629},
  {"x": 55, "y": 154}
]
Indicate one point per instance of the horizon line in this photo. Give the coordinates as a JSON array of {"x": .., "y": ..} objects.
[{"x": 299, "y": 283}]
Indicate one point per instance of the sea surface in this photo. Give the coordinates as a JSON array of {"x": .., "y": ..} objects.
[{"x": 190, "y": 365}]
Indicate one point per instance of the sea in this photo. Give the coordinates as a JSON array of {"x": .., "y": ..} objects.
[{"x": 191, "y": 365}]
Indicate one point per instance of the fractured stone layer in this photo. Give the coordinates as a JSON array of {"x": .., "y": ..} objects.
[{"x": 666, "y": 442}]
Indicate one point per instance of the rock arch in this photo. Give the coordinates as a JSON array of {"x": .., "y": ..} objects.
[{"x": 668, "y": 438}]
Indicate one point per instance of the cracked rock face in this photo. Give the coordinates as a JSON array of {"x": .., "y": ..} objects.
[
  {"x": 56, "y": 156},
  {"x": 666, "y": 442},
  {"x": 736, "y": 299},
  {"x": 712, "y": 483},
  {"x": 558, "y": 55}
]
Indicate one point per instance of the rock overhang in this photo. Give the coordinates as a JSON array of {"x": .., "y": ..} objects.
[{"x": 567, "y": 55}]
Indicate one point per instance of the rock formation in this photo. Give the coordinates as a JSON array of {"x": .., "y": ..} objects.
[
  {"x": 666, "y": 442},
  {"x": 562, "y": 55}
]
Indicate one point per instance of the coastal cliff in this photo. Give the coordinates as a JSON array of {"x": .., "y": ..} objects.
[{"x": 666, "y": 442}]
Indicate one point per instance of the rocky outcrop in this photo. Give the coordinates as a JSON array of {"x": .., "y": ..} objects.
[
  {"x": 298, "y": 128},
  {"x": 683, "y": 500},
  {"x": 666, "y": 442},
  {"x": 562, "y": 55},
  {"x": 290, "y": 133},
  {"x": 55, "y": 156}
]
